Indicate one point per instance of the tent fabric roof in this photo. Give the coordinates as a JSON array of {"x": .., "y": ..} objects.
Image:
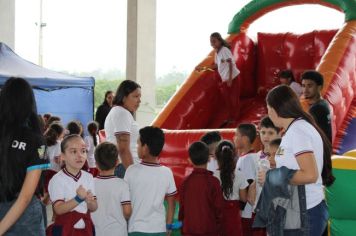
[{"x": 12, "y": 65}]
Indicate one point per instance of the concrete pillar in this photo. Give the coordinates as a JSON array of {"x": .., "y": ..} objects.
[
  {"x": 7, "y": 22},
  {"x": 141, "y": 54}
]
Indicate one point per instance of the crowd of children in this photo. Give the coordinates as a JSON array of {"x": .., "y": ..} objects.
[{"x": 217, "y": 198}]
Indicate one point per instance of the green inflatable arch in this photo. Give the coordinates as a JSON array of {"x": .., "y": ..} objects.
[{"x": 258, "y": 8}]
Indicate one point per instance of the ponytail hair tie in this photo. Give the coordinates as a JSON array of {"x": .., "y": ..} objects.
[{"x": 225, "y": 147}]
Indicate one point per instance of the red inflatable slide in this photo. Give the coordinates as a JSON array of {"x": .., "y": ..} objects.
[{"x": 199, "y": 105}]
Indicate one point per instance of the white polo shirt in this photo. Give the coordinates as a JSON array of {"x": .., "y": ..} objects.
[
  {"x": 121, "y": 121},
  {"x": 247, "y": 165},
  {"x": 221, "y": 58},
  {"x": 91, "y": 149},
  {"x": 240, "y": 182},
  {"x": 112, "y": 193},
  {"x": 149, "y": 184},
  {"x": 63, "y": 187},
  {"x": 52, "y": 153},
  {"x": 301, "y": 137}
]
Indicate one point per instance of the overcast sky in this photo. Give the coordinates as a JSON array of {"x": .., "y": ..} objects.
[{"x": 86, "y": 35}]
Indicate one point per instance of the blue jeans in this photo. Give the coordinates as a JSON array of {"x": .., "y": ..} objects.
[
  {"x": 318, "y": 218},
  {"x": 30, "y": 222}
]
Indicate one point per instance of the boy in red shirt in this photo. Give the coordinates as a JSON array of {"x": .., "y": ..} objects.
[{"x": 201, "y": 198}]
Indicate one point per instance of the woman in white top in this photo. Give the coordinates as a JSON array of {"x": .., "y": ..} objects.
[
  {"x": 286, "y": 77},
  {"x": 305, "y": 148},
  {"x": 91, "y": 141},
  {"x": 120, "y": 125},
  {"x": 234, "y": 186}
]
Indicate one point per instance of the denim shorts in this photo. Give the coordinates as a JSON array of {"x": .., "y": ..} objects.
[
  {"x": 318, "y": 219},
  {"x": 30, "y": 222}
]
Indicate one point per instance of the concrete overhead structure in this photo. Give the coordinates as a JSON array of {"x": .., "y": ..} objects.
[
  {"x": 7, "y": 22},
  {"x": 141, "y": 54}
]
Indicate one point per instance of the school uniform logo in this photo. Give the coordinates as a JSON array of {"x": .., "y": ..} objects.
[{"x": 280, "y": 152}]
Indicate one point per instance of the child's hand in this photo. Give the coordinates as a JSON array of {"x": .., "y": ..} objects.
[
  {"x": 82, "y": 192},
  {"x": 90, "y": 197},
  {"x": 229, "y": 82}
]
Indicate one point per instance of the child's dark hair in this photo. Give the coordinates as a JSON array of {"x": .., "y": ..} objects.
[
  {"x": 275, "y": 142},
  {"x": 53, "y": 132},
  {"x": 248, "y": 130},
  {"x": 313, "y": 76},
  {"x": 287, "y": 74},
  {"x": 53, "y": 119},
  {"x": 106, "y": 155},
  {"x": 93, "y": 128},
  {"x": 211, "y": 137},
  {"x": 67, "y": 139},
  {"x": 153, "y": 137},
  {"x": 75, "y": 127},
  {"x": 220, "y": 39},
  {"x": 225, "y": 155},
  {"x": 199, "y": 153},
  {"x": 266, "y": 122}
]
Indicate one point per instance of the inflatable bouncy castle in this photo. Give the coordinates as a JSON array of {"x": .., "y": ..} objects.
[{"x": 196, "y": 108}]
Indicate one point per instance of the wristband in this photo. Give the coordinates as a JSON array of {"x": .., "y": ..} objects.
[
  {"x": 78, "y": 199},
  {"x": 169, "y": 226}
]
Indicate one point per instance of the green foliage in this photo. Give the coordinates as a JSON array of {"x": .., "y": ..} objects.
[
  {"x": 167, "y": 85},
  {"x": 101, "y": 86}
]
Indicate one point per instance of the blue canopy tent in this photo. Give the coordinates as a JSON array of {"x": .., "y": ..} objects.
[{"x": 66, "y": 96}]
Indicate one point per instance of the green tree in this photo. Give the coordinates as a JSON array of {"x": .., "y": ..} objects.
[{"x": 101, "y": 86}]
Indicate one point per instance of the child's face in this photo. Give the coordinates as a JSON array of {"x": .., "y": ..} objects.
[
  {"x": 267, "y": 135},
  {"x": 272, "y": 155},
  {"x": 215, "y": 43},
  {"x": 75, "y": 154},
  {"x": 239, "y": 140},
  {"x": 212, "y": 149}
]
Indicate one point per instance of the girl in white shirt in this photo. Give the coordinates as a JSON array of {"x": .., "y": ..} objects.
[
  {"x": 304, "y": 148},
  {"x": 234, "y": 186},
  {"x": 92, "y": 140},
  {"x": 225, "y": 63}
]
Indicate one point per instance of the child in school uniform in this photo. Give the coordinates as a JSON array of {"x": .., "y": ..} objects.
[
  {"x": 113, "y": 194},
  {"x": 72, "y": 192},
  {"x": 234, "y": 186},
  {"x": 246, "y": 163},
  {"x": 149, "y": 184},
  {"x": 273, "y": 148},
  {"x": 200, "y": 197},
  {"x": 92, "y": 140},
  {"x": 211, "y": 139}
]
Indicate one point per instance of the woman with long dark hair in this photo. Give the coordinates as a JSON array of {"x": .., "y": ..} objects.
[
  {"x": 234, "y": 186},
  {"x": 104, "y": 109},
  {"x": 21, "y": 160},
  {"x": 304, "y": 148},
  {"x": 121, "y": 127}
]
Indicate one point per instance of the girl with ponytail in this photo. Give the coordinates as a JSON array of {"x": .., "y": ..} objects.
[
  {"x": 234, "y": 186},
  {"x": 92, "y": 140}
]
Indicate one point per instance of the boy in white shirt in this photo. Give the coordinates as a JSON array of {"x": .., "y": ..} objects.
[
  {"x": 113, "y": 194},
  {"x": 244, "y": 138},
  {"x": 150, "y": 183},
  {"x": 212, "y": 139}
]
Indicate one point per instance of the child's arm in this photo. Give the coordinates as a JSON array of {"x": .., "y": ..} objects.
[
  {"x": 127, "y": 210},
  {"x": 61, "y": 207},
  {"x": 170, "y": 209},
  {"x": 243, "y": 195},
  {"x": 251, "y": 193},
  {"x": 92, "y": 204},
  {"x": 21, "y": 203}
]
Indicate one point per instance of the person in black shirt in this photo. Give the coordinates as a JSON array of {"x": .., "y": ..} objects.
[
  {"x": 312, "y": 84},
  {"x": 21, "y": 161},
  {"x": 104, "y": 109}
]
